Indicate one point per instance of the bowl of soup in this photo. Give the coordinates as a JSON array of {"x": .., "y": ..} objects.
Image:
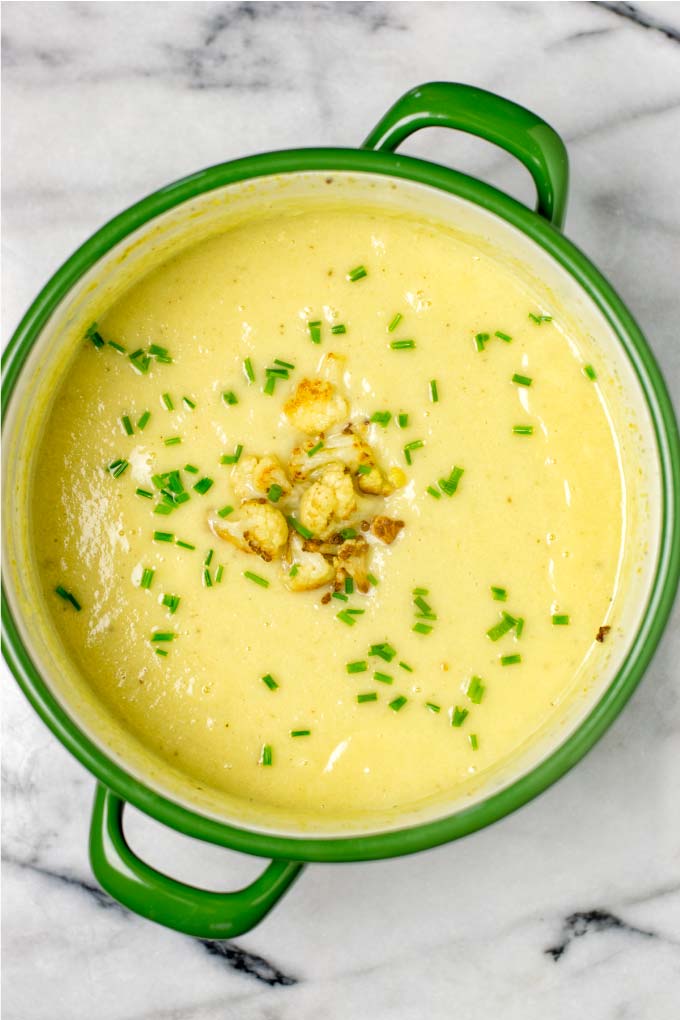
[{"x": 340, "y": 506}]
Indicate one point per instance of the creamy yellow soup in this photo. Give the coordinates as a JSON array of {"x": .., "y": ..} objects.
[{"x": 210, "y": 489}]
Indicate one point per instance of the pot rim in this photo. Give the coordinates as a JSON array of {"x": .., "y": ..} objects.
[{"x": 418, "y": 835}]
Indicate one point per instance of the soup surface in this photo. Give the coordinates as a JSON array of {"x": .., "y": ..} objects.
[{"x": 329, "y": 512}]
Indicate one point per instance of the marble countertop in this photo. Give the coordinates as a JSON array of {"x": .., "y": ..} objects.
[{"x": 570, "y": 907}]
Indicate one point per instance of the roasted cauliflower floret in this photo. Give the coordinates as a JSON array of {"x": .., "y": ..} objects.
[
  {"x": 259, "y": 528},
  {"x": 315, "y": 406},
  {"x": 329, "y": 501},
  {"x": 373, "y": 481},
  {"x": 386, "y": 529},
  {"x": 346, "y": 447},
  {"x": 252, "y": 477},
  {"x": 309, "y": 569},
  {"x": 352, "y": 561}
]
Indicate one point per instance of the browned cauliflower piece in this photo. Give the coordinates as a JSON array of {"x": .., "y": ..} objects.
[
  {"x": 252, "y": 477},
  {"x": 309, "y": 569},
  {"x": 352, "y": 561},
  {"x": 315, "y": 406},
  {"x": 345, "y": 446},
  {"x": 329, "y": 501},
  {"x": 386, "y": 529},
  {"x": 259, "y": 528}
]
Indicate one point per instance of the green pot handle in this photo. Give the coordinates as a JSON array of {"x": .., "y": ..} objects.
[
  {"x": 144, "y": 890},
  {"x": 512, "y": 127}
]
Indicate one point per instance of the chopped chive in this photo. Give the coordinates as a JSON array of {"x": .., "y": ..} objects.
[
  {"x": 590, "y": 372},
  {"x": 143, "y": 421},
  {"x": 140, "y": 361},
  {"x": 450, "y": 485},
  {"x": 372, "y": 579},
  {"x": 432, "y": 706},
  {"x": 163, "y": 509},
  {"x": 189, "y": 403},
  {"x": 127, "y": 425},
  {"x": 300, "y": 733},
  {"x": 116, "y": 347},
  {"x": 505, "y": 624},
  {"x": 434, "y": 391},
  {"x": 173, "y": 441},
  {"x": 371, "y": 696},
  {"x": 191, "y": 468},
  {"x": 384, "y": 650},
  {"x": 459, "y": 716},
  {"x": 163, "y": 536},
  {"x": 163, "y": 635},
  {"x": 275, "y": 492},
  {"x": 117, "y": 468},
  {"x": 357, "y": 273},
  {"x": 434, "y": 492},
  {"x": 395, "y": 322},
  {"x": 269, "y": 681},
  {"x": 68, "y": 596},
  {"x": 218, "y": 574},
  {"x": 383, "y": 678},
  {"x": 167, "y": 400},
  {"x": 340, "y": 595},
  {"x": 381, "y": 418},
  {"x": 158, "y": 351},
  {"x": 421, "y": 628},
  {"x": 184, "y": 545},
  {"x": 203, "y": 485},
  {"x": 315, "y": 331},
  {"x": 523, "y": 430},
  {"x": 300, "y": 528},
  {"x": 519, "y": 627},
  {"x": 147, "y": 577},
  {"x": 420, "y": 591},
  {"x": 405, "y": 665},
  {"x": 230, "y": 398},
  {"x": 560, "y": 619},
  {"x": 270, "y": 385},
  {"x": 503, "y": 336},
  {"x": 160, "y": 651},
  {"x": 364, "y": 469},
  {"x": 480, "y": 341},
  {"x": 398, "y": 703},
  {"x": 284, "y": 364},
  {"x": 232, "y": 458},
  {"x": 402, "y": 420},
  {"x": 256, "y": 579},
  {"x": 339, "y": 329},
  {"x": 475, "y": 690},
  {"x": 510, "y": 660},
  {"x": 208, "y": 558},
  {"x": 360, "y": 666},
  {"x": 266, "y": 755},
  {"x": 145, "y": 493},
  {"x": 499, "y": 594},
  {"x": 94, "y": 335},
  {"x": 315, "y": 449},
  {"x": 248, "y": 370},
  {"x": 293, "y": 570},
  {"x": 422, "y": 605},
  {"x": 345, "y": 616},
  {"x": 171, "y": 602},
  {"x": 417, "y": 444},
  {"x": 349, "y": 581},
  {"x": 474, "y": 742},
  {"x": 403, "y": 345},
  {"x": 356, "y": 612},
  {"x": 522, "y": 380},
  {"x": 538, "y": 319}
]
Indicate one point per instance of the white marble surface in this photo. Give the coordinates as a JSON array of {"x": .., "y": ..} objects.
[{"x": 104, "y": 102}]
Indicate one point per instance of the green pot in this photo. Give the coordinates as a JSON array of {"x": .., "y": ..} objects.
[{"x": 531, "y": 140}]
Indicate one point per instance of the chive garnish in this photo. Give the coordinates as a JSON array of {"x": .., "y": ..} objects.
[
  {"x": 171, "y": 602},
  {"x": 372, "y": 579},
  {"x": 145, "y": 493},
  {"x": 293, "y": 570},
  {"x": 383, "y": 678},
  {"x": 402, "y": 420},
  {"x": 270, "y": 385},
  {"x": 163, "y": 635},
  {"x": 203, "y": 485},
  {"x": 256, "y": 579},
  {"x": 275, "y": 492},
  {"x": 315, "y": 331},
  {"x": 163, "y": 536},
  {"x": 519, "y": 626},
  {"x": 284, "y": 364},
  {"x": 360, "y": 666},
  {"x": 218, "y": 574},
  {"x": 422, "y": 605},
  {"x": 248, "y": 370},
  {"x": 364, "y": 469},
  {"x": 403, "y": 345},
  {"x": 230, "y": 398},
  {"x": 339, "y": 329},
  {"x": 266, "y": 755},
  {"x": 269, "y": 681},
  {"x": 459, "y": 716},
  {"x": 434, "y": 391},
  {"x": 510, "y": 660},
  {"x": 340, "y": 595},
  {"x": 315, "y": 449},
  {"x": 188, "y": 403},
  {"x": 590, "y": 372},
  {"x": 167, "y": 400},
  {"x": 140, "y": 361},
  {"x": 68, "y": 596},
  {"x": 184, "y": 545},
  {"x": 381, "y": 418},
  {"x": 94, "y": 335},
  {"x": 475, "y": 690},
  {"x": 355, "y": 612},
  {"x": 158, "y": 352},
  {"x": 117, "y": 468},
  {"x": 160, "y": 651},
  {"x": 432, "y": 706},
  {"x": 395, "y": 322},
  {"x": 143, "y": 421},
  {"x": 523, "y": 430},
  {"x": 405, "y": 665},
  {"x": 421, "y": 628},
  {"x": 398, "y": 703},
  {"x": 349, "y": 581},
  {"x": 560, "y": 619},
  {"x": 416, "y": 444},
  {"x": 449, "y": 485},
  {"x": 499, "y": 594},
  {"x": 538, "y": 319},
  {"x": 505, "y": 624},
  {"x": 232, "y": 458},
  {"x": 173, "y": 441},
  {"x": 127, "y": 425},
  {"x": 522, "y": 380},
  {"x": 208, "y": 558},
  {"x": 503, "y": 336},
  {"x": 474, "y": 742},
  {"x": 147, "y": 577},
  {"x": 384, "y": 650},
  {"x": 116, "y": 347},
  {"x": 300, "y": 733},
  {"x": 191, "y": 468},
  {"x": 357, "y": 273},
  {"x": 434, "y": 492},
  {"x": 163, "y": 509},
  {"x": 480, "y": 341},
  {"x": 346, "y": 616},
  {"x": 300, "y": 528},
  {"x": 371, "y": 696}
]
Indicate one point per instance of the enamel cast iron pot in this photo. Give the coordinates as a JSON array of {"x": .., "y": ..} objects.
[{"x": 172, "y": 217}]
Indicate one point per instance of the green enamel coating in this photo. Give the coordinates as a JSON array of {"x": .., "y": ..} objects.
[{"x": 521, "y": 133}]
